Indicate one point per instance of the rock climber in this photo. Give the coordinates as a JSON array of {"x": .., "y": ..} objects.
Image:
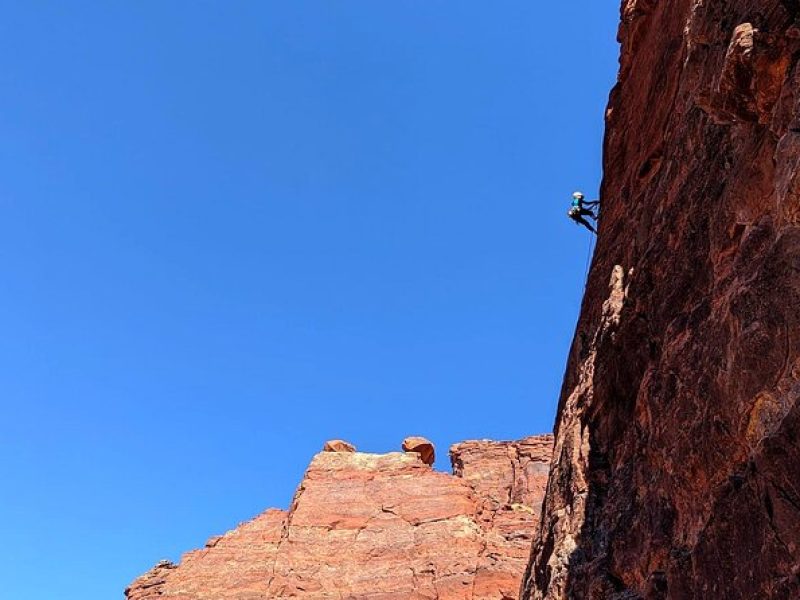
[{"x": 581, "y": 208}]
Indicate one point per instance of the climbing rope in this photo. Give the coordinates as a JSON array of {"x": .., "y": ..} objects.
[{"x": 588, "y": 259}]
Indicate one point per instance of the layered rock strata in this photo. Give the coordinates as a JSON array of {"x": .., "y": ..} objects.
[
  {"x": 676, "y": 469},
  {"x": 383, "y": 527}
]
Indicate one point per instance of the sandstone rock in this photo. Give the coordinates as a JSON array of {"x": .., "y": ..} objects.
[
  {"x": 505, "y": 473},
  {"x": 385, "y": 527},
  {"x": 509, "y": 479},
  {"x": 421, "y": 446},
  {"x": 676, "y": 460},
  {"x": 751, "y": 77},
  {"x": 338, "y": 446}
]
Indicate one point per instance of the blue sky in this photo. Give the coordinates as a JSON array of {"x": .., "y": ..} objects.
[{"x": 233, "y": 230}]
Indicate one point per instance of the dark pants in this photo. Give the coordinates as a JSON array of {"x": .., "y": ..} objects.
[{"x": 578, "y": 218}]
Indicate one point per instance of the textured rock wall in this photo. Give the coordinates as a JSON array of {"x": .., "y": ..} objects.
[
  {"x": 383, "y": 527},
  {"x": 676, "y": 468}
]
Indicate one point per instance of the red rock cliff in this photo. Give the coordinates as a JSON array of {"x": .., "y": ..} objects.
[
  {"x": 384, "y": 527},
  {"x": 676, "y": 469}
]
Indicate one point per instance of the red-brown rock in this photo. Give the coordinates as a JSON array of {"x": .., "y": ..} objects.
[
  {"x": 676, "y": 462},
  {"x": 384, "y": 527},
  {"x": 338, "y": 446},
  {"x": 421, "y": 446},
  {"x": 509, "y": 480}
]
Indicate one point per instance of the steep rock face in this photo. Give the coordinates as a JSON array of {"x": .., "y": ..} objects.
[
  {"x": 384, "y": 527},
  {"x": 676, "y": 467}
]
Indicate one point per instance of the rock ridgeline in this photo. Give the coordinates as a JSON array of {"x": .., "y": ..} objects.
[
  {"x": 383, "y": 527},
  {"x": 676, "y": 469}
]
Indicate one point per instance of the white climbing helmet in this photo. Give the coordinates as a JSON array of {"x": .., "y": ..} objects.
[{"x": 578, "y": 195}]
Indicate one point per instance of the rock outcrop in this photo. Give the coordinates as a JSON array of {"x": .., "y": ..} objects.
[
  {"x": 676, "y": 468},
  {"x": 338, "y": 446},
  {"x": 383, "y": 527},
  {"x": 421, "y": 446}
]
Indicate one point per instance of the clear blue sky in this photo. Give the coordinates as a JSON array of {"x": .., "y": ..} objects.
[{"x": 233, "y": 230}]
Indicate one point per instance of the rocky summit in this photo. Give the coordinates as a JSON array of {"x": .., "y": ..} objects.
[{"x": 379, "y": 526}]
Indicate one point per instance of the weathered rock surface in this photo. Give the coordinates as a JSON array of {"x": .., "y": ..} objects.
[
  {"x": 338, "y": 446},
  {"x": 384, "y": 527},
  {"x": 676, "y": 468},
  {"x": 421, "y": 446}
]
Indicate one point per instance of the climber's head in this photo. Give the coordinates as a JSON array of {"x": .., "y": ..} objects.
[{"x": 578, "y": 195}]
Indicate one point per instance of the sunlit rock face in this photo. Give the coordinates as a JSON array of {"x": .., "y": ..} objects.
[
  {"x": 676, "y": 467},
  {"x": 383, "y": 527},
  {"x": 421, "y": 446}
]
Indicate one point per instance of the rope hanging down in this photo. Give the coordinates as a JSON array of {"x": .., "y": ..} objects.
[{"x": 588, "y": 260}]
